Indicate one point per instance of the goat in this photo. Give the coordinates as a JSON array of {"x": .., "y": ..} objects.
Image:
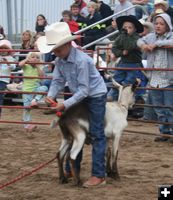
[{"x": 74, "y": 126}]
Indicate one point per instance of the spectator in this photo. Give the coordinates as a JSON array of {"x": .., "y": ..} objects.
[
  {"x": 41, "y": 23},
  {"x": 160, "y": 57},
  {"x": 2, "y": 32},
  {"x": 86, "y": 84},
  {"x": 27, "y": 43},
  {"x": 98, "y": 30},
  {"x": 31, "y": 85},
  {"x": 5, "y": 69},
  {"x": 139, "y": 11},
  {"x": 105, "y": 11},
  {"x": 148, "y": 28},
  {"x": 125, "y": 46},
  {"x": 67, "y": 17},
  {"x": 161, "y": 6},
  {"x": 83, "y": 7},
  {"x": 120, "y": 6},
  {"x": 77, "y": 17}
]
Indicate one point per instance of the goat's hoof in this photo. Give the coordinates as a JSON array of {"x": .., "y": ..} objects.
[
  {"x": 113, "y": 175},
  {"x": 63, "y": 180},
  {"x": 78, "y": 183}
]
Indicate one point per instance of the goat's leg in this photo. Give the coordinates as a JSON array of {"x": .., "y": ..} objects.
[
  {"x": 108, "y": 158},
  {"x": 114, "y": 172},
  {"x": 60, "y": 157},
  {"x": 76, "y": 148}
]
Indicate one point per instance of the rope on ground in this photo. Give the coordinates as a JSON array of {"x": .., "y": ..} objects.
[
  {"x": 149, "y": 133},
  {"x": 25, "y": 174}
]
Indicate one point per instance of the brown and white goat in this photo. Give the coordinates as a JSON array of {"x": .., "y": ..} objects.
[{"x": 74, "y": 125}]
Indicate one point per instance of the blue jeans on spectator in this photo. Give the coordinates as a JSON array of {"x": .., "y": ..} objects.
[
  {"x": 163, "y": 97},
  {"x": 27, "y": 98},
  {"x": 124, "y": 77},
  {"x": 96, "y": 107},
  {"x": 3, "y": 86},
  {"x": 149, "y": 112}
]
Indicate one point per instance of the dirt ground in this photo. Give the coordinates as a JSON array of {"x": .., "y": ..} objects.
[{"x": 143, "y": 164}]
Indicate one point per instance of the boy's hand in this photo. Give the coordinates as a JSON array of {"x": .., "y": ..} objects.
[
  {"x": 59, "y": 107},
  {"x": 48, "y": 100},
  {"x": 114, "y": 24},
  {"x": 125, "y": 52},
  {"x": 148, "y": 47},
  {"x": 23, "y": 62},
  {"x": 151, "y": 47}
]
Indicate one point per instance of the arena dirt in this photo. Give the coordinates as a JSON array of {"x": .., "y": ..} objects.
[{"x": 143, "y": 164}]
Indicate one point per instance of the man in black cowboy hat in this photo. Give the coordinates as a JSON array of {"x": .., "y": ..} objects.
[{"x": 125, "y": 46}]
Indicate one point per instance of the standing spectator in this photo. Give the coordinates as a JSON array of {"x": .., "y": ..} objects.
[
  {"x": 27, "y": 42},
  {"x": 105, "y": 11},
  {"x": 41, "y": 23},
  {"x": 125, "y": 46},
  {"x": 2, "y": 32},
  {"x": 77, "y": 17},
  {"x": 85, "y": 83},
  {"x": 98, "y": 30},
  {"x": 83, "y": 7},
  {"x": 5, "y": 69},
  {"x": 160, "y": 57},
  {"x": 31, "y": 85}
]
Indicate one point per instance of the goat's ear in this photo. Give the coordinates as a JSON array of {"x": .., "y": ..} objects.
[{"x": 135, "y": 85}]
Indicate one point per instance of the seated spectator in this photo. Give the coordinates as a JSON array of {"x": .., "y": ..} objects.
[
  {"x": 125, "y": 46},
  {"x": 146, "y": 6},
  {"x": 67, "y": 17},
  {"x": 120, "y": 6},
  {"x": 41, "y": 23},
  {"x": 98, "y": 30},
  {"x": 161, "y": 6},
  {"x": 27, "y": 42},
  {"x": 31, "y": 85},
  {"x": 83, "y": 7},
  {"x": 77, "y": 17},
  {"x": 148, "y": 28},
  {"x": 159, "y": 56},
  {"x": 5, "y": 69},
  {"x": 105, "y": 11}
]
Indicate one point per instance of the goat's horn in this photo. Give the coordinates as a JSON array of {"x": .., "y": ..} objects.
[{"x": 116, "y": 84}]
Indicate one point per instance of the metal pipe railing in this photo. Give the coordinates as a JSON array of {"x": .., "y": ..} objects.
[
  {"x": 104, "y": 37},
  {"x": 100, "y": 39},
  {"x": 111, "y": 16}
]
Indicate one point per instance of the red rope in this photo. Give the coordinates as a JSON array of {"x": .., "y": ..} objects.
[
  {"x": 25, "y": 174},
  {"x": 19, "y": 122}
]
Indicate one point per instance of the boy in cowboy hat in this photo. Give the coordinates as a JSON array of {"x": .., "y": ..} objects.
[
  {"x": 125, "y": 46},
  {"x": 85, "y": 83}
]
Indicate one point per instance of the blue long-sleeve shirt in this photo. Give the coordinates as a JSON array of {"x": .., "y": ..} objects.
[{"x": 83, "y": 79}]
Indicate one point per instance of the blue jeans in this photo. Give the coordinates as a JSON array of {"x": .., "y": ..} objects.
[
  {"x": 160, "y": 97},
  {"x": 96, "y": 107},
  {"x": 149, "y": 112},
  {"x": 3, "y": 86},
  {"x": 27, "y": 98},
  {"x": 124, "y": 77}
]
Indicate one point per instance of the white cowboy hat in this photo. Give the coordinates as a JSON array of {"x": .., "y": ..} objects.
[
  {"x": 56, "y": 35},
  {"x": 163, "y": 2}
]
